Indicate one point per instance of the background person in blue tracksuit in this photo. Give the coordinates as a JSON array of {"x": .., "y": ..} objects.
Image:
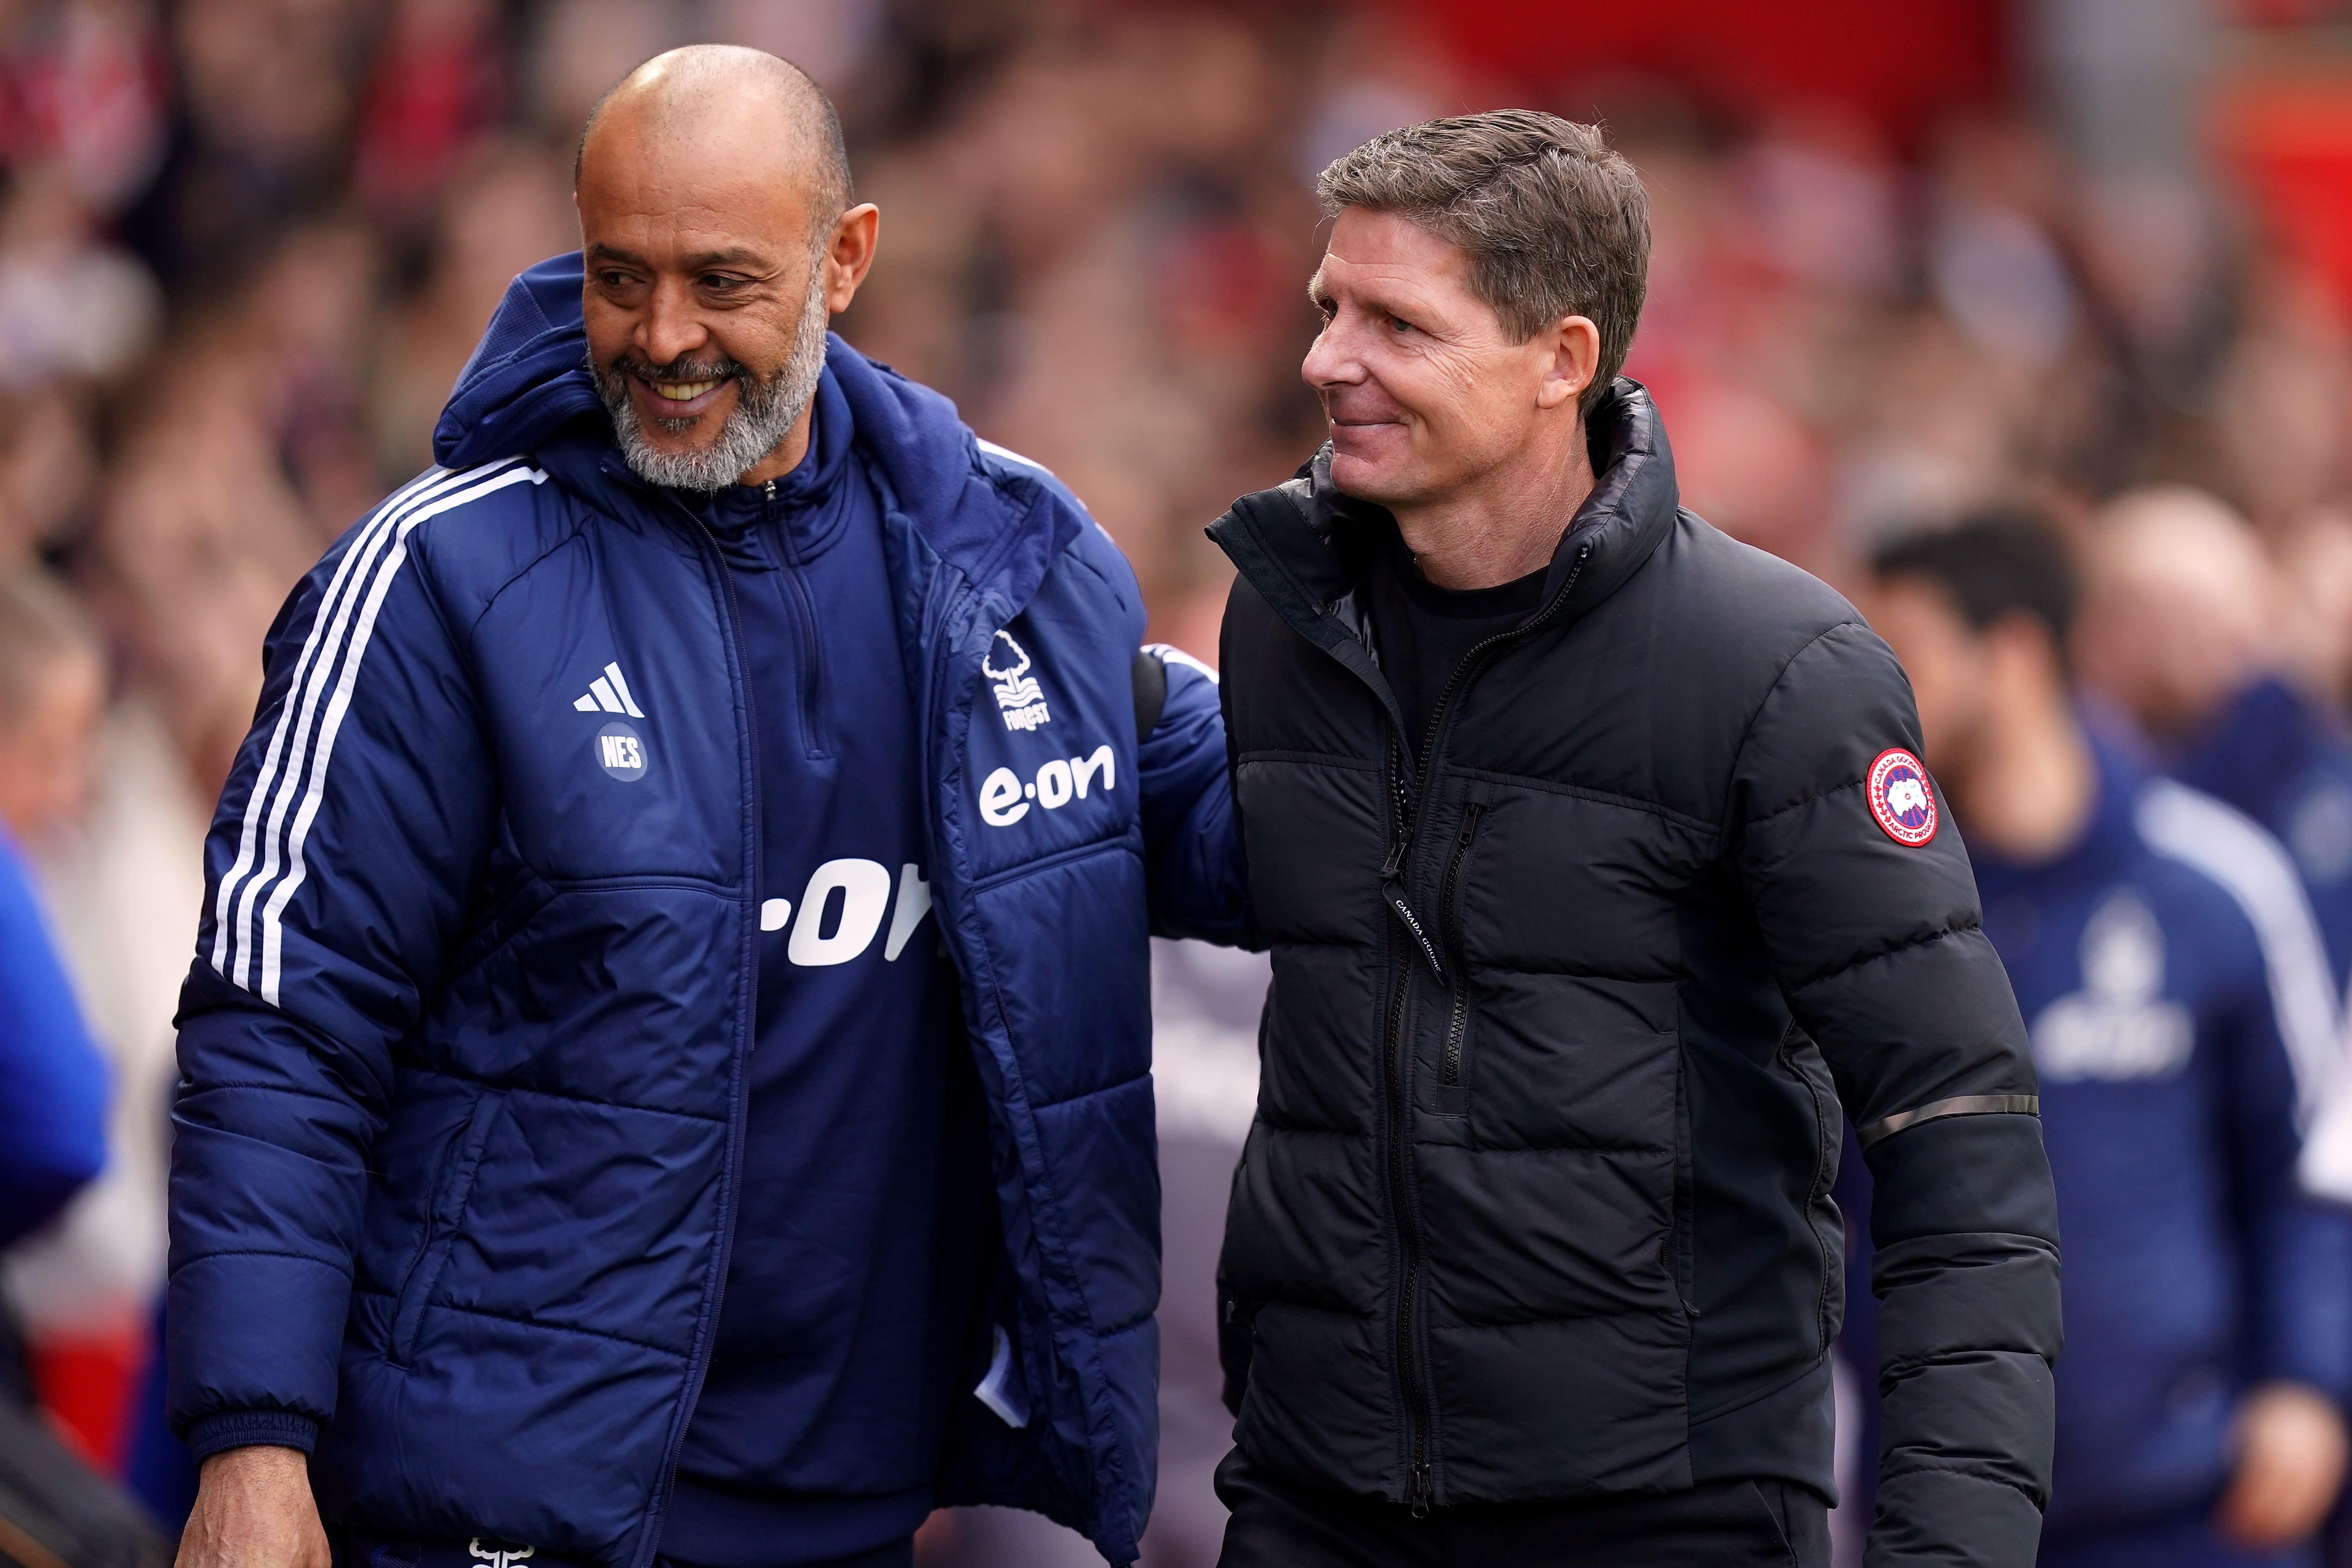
[
  {"x": 2187, "y": 626},
  {"x": 667, "y": 1069},
  {"x": 2183, "y": 624},
  {"x": 2182, "y": 1024}
]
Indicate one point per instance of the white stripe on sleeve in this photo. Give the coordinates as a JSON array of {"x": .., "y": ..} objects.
[
  {"x": 272, "y": 932},
  {"x": 2248, "y": 863},
  {"x": 327, "y": 627}
]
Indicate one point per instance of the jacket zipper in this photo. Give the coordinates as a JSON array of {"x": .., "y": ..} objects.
[
  {"x": 1450, "y": 899},
  {"x": 811, "y": 683},
  {"x": 1420, "y": 1400},
  {"x": 1406, "y": 1202},
  {"x": 698, "y": 1367}
]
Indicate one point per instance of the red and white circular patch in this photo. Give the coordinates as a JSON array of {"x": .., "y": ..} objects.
[{"x": 1901, "y": 799}]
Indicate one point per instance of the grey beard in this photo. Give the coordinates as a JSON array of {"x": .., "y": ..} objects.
[{"x": 763, "y": 413}]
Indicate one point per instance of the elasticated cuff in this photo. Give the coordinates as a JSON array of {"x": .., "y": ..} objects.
[{"x": 228, "y": 1429}]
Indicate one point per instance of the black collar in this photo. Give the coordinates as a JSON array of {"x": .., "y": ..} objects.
[{"x": 1305, "y": 546}]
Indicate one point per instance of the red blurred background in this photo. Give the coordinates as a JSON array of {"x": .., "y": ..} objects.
[{"x": 1909, "y": 257}]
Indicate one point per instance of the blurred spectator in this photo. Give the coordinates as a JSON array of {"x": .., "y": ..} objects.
[
  {"x": 267, "y": 93},
  {"x": 581, "y": 47},
  {"x": 437, "y": 84},
  {"x": 508, "y": 205},
  {"x": 53, "y": 1087},
  {"x": 827, "y": 38},
  {"x": 2182, "y": 1026},
  {"x": 120, "y": 883},
  {"x": 70, "y": 309},
  {"x": 245, "y": 245},
  {"x": 1205, "y": 1004},
  {"x": 54, "y": 1508},
  {"x": 80, "y": 93},
  {"x": 2182, "y": 625}
]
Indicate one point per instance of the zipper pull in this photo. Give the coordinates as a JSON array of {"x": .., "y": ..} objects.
[
  {"x": 769, "y": 488},
  {"x": 1403, "y": 910},
  {"x": 1393, "y": 867},
  {"x": 1417, "y": 1495}
]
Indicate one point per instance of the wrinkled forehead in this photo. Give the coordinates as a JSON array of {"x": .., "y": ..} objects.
[
  {"x": 1367, "y": 248},
  {"x": 1380, "y": 257}
]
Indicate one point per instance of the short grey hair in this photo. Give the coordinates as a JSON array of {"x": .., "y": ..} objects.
[{"x": 1555, "y": 221}]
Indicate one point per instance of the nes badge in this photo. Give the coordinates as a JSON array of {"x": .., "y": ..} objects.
[{"x": 1901, "y": 799}]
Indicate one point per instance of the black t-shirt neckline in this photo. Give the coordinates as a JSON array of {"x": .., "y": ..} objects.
[{"x": 1421, "y": 633}]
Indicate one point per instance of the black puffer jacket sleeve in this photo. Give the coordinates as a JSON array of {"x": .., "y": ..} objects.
[{"x": 1879, "y": 949}]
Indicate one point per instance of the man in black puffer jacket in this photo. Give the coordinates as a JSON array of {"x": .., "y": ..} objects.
[{"x": 1601, "y": 877}]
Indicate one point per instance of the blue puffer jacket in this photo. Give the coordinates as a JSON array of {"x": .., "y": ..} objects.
[{"x": 463, "y": 1049}]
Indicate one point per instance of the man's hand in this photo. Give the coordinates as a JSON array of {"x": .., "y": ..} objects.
[
  {"x": 2291, "y": 1454},
  {"x": 254, "y": 1510}
]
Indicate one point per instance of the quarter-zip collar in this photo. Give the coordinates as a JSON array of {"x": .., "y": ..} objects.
[{"x": 1306, "y": 546}]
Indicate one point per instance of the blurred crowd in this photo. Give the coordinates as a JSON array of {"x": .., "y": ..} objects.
[{"x": 246, "y": 246}]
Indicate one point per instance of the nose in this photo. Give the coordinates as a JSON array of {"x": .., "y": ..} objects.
[
  {"x": 1331, "y": 360},
  {"x": 669, "y": 330}
]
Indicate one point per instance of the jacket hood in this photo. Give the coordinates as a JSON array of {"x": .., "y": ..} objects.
[
  {"x": 1306, "y": 545},
  {"x": 527, "y": 385},
  {"x": 528, "y": 377}
]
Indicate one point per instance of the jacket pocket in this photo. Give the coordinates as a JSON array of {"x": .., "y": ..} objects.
[
  {"x": 1801, "y": 1060},
  {"x": 1236, "y": 1345},
  {"x": 1681, "y": 1250},
  {"x": 453, "y": 1190}
]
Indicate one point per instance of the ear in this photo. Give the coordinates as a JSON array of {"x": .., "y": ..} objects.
[
  {"x": 849, "y": 254},
  {"x": 1572, "y": 348}
]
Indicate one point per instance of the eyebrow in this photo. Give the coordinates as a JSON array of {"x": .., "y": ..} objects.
[
  {"x": 1375, "y": 298},
  {"x": 730, "y": 255}
]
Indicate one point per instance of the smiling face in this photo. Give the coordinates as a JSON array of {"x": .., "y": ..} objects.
[
  {"x": 1424, "y": 390},
  {"x": 710, "y": 277}
]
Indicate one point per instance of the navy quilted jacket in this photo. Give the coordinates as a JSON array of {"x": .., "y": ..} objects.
[{"x": 463, "y": 1048}]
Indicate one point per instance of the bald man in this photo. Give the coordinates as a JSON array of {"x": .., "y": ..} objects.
[
  {"x": 2181, "y": 627},
  {"x": 666, "y": 1070}
]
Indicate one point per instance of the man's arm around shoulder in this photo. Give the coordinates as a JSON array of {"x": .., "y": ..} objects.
[{"x": 1190, "y": 835}]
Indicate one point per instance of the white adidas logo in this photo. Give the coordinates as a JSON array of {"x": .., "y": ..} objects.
[{"x": 610, "y": 694}]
